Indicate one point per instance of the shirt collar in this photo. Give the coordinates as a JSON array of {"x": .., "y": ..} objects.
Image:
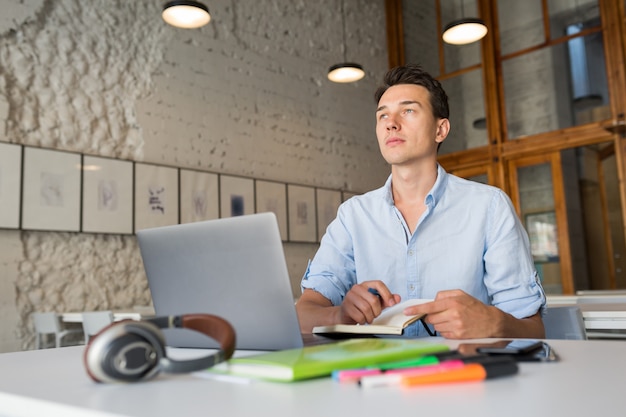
[{"x": 434, "y": 195}]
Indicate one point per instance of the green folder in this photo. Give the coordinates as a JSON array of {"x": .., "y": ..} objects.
[{"x": 321, "y": 360}]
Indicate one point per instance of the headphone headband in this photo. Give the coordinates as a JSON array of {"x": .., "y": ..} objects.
[{"x": 129, "y": 350}]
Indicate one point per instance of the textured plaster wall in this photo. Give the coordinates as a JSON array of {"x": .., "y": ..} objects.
[{"x": 245, "y": 95}]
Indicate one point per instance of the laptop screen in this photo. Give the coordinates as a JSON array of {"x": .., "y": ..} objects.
[{"x": 232, "y": 267}]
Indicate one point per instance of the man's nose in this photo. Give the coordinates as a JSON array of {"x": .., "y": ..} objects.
[{"x": 392, "y": 123}]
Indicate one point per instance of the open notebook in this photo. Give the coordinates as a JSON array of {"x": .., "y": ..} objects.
[{"x": 234, "y": 268}]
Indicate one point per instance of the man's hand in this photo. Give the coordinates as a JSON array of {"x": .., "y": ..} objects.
[
  {"x": 457, "y": 315},
  {"x": 361, "y": 305}
]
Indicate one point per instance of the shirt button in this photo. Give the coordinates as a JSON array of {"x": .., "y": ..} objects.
[{"x": 411, "y": 253}]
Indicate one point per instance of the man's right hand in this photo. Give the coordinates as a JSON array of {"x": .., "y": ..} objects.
[
  {"x": 359, "y": 306},
  {"x": 365, "y": 301}
]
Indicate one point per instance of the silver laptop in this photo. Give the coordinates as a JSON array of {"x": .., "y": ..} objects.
[{"x": 234, "y": 268}]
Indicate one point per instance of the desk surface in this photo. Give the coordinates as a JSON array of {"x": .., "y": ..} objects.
[{"x": 589, "y": 380}]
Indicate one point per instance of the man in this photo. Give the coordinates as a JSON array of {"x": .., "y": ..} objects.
[{"x": 424, "y": 234}]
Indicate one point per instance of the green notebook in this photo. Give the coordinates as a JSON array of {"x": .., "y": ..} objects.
[{"x": 320, "y": 360}]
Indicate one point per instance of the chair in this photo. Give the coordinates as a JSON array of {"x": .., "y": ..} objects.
[
  {"x": 94, "y": 321},
  {"x": 50, "y": 323},
  {"x": 564, "y": 322}
]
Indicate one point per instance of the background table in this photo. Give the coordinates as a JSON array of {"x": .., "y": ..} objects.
[
  {"x": 133, "y": 314},
  {"x": 604, "y": 315},
  {"x": 590, "y": 380}
]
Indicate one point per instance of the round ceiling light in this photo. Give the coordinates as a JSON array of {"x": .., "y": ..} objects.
[
  {"x": 186, "y": 14},
  {"x": 346, "y": 72},
  {"x": 464, "y": 31}
]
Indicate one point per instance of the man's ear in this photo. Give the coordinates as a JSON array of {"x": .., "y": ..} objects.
[{"x": 443, "y": 128}]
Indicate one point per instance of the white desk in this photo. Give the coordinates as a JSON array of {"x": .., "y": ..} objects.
[{"x": 590, "y": 380}]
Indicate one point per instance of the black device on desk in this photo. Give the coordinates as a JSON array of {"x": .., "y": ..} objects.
[
  {"x": 512, "y": 347},
  {"x": 523, "y": 350}
]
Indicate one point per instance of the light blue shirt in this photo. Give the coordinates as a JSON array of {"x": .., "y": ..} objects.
[{"x": 469, "y": 238}]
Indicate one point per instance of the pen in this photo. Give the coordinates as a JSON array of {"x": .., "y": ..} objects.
[
  {"x": 373, "y": 291},
  {"x": 353, "y": 375},
  {"x": 433, "y": 359},
  {"x": 394, "y": 376},
  {"x": 420, "y": 361},
  {"x": 469, "y": 372}
]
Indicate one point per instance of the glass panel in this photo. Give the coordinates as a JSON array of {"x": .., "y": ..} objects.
[
  {"x": 477, "y": 174},
  {"x": 556, "y": 87},
  {"x": 467, "y": 113},
  {"x": 615, "y": 219},
  {"x": 521, "y": 25},
  {"x": 600, "y": 250},
  {"x": 564, "y": 14},
  {"x": 419, "y": 20},
  {"x": 480, "y": 178},
  {"x": 461, "y": 56},
  {"x": 592, "y": 205},
  {"x": 538, "y": 212}
]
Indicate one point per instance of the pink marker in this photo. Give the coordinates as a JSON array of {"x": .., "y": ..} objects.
[
  {"x": 395, "y": 376},
  {"x": 354, "y": 375}
]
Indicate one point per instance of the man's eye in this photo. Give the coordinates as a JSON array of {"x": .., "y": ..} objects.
[
  {"x": 409, "y": 111},
  {"x": 382, "y": 116}
]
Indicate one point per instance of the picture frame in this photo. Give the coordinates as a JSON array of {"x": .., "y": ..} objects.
[
  {"x": 543, "y": 236},
  {"x": 10, "y": 185},
  {"x": 156, "y": 196},
  {"x": 301, "y": 211},
  {"x": 327, "y": 201},
  {"x": 272, "y": 196},
  {"x": 51, "y": 190},
  {"x": 199, "y": 196},
  {"x": 236, "y": 196},
  {"x": 107, "y": 195}
]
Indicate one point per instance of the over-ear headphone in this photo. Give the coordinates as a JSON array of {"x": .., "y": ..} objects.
[{"x": 131, "y": 351}]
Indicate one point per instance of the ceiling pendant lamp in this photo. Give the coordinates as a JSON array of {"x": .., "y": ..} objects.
[
  {"x": 345, "y": 72},
  {"x": 186, "y": 14},
  {"x": 465, "y": 30}
]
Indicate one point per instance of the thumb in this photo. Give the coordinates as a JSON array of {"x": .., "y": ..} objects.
[{"x": 395, "y": 299}]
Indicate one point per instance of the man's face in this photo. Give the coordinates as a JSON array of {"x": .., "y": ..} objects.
[{"x": 406, "y": 129}]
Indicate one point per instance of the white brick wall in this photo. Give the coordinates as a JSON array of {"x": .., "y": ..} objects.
[{"x": 245, "y": 95}]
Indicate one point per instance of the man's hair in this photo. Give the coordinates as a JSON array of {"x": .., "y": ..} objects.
[{"x": 415, "y": 74}]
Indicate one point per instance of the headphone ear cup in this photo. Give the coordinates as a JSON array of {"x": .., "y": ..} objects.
[{"x": 125, "y": 352}]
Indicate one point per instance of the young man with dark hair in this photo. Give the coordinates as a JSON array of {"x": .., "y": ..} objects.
[{"x": 424, "y": 234}]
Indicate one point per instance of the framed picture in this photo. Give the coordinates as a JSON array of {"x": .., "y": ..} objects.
[
  {"x": 10, "y": 185},
  {"x": 199, "y": 198},
  {"x": 328, "y": 202},
  {"x": 272, "y": 196},
  {"x": 543, "y": 237},
  {"x": 107, "y": 195},
  {"x": 156, "y": 196},
  {"x": 236, "y": 196},
  {"x": 51, "y": 199},
  {"x": 301, "y": 213}
]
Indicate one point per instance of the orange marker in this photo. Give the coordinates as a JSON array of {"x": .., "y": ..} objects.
[{"x": 469, "y": 372}]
